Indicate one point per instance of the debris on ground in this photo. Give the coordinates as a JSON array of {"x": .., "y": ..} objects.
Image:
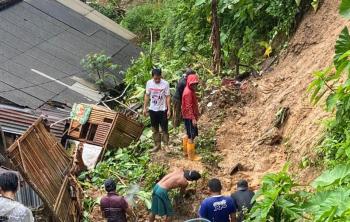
[
  {"x": 236, "y": 167},
  {"x": 270, "y": 137},
  {"x": 281, "y": 117}
]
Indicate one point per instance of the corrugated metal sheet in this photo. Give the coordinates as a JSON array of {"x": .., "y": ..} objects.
[
  {"x": 28, "y": 197},
  {"x": 17, "y": 121},
  {"x": 55, "y": 115}
]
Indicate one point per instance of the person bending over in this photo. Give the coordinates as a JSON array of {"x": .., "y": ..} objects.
[{"x": 161, "y": 204}]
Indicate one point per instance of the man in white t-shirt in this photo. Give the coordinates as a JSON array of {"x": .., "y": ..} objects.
[{"x": 158, "y": 95}]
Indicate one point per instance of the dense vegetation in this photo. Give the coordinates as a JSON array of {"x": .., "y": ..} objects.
[
  {"x": 175, "y": 34},
  {"x": 132, "y": 170}
]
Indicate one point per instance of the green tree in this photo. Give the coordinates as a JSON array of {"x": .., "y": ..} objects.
[{"x": 101, "y": 68}]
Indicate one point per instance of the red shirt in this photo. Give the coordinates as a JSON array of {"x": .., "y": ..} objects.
[
  {"x": 189, "y": 106},
  {"x": 114, "y": 207}
]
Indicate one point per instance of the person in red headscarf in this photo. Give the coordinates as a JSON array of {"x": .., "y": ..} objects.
[{"x": 190, "y": 114}]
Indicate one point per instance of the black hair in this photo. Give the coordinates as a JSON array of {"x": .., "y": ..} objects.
[
  {"x": 156, "y": 72},
  {"x": 242, "y": 184},
  {"x": 110, "y": 185},
  {"x": 214, "y": 185},
  {"x": 189, "y": 71},
  {"x": 192, "y": 175},
  {"x": 9, "y": 181}
]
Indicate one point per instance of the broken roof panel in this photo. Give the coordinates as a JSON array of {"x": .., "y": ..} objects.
[
  {"x": 17, "y": 121},
  {"x": 22, "y": 99},
  {"x": 42, "y": 43},
  {"x": 67, "y": 97}
]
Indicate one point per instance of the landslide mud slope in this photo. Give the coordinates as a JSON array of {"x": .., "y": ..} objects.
[{"x": 284, "y": 85}]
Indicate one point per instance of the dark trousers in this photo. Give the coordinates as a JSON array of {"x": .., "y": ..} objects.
[
  {"x": 191, "y": 130},
  {"x": 159, "y": 118}
]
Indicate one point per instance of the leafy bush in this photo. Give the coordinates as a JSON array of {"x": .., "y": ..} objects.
[
  {"x": 276, "y": 200},
  {"x": 101, "y": 68},
  {"x": 331, "y": 202},
  {"x": 143, "y": 19},
  {"x": 110, "y": 9}
]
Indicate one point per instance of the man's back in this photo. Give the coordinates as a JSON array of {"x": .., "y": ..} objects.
[
  {"x": 14, "y": 211},
  {"x": 173, "y": 180},
  {"x": 114, "y": 207},
  {"x": 217, "y": 208},
  {"x": 180, "y": 88},
  {"x": 242, "y": 199}
]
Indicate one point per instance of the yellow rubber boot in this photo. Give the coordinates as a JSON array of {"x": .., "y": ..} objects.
[
  {"x": 184, "y": 145},
  {"x": 191, "y": 151}
]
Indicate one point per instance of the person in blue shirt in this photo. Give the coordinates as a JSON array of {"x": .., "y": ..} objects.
[{"x": 217, "y": 208}]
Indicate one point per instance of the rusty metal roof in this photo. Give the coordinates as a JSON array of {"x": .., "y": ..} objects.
[{"x": 17, "y": 121}]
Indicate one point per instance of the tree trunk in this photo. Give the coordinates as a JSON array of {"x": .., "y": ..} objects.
[{"x": 215, "y": 38}]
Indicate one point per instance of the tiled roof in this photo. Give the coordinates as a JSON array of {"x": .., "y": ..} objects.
[
  {"x": 7, "y": 3},
  {"x": 41, "y": 45}
]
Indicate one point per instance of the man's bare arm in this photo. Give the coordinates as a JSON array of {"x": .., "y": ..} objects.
[
  {"x": 145, "y": 104},
  {"x": 129, "y": 211},
  {"x": 102, "y": 211},
  {"x": 233, "y": 217},
  {"x": 168, "y": 104}
]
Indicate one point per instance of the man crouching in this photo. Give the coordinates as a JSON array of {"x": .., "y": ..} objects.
[{"x": 161, "y": 204}]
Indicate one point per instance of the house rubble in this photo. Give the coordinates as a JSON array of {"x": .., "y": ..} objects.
[{"x": 41, "y": 45}]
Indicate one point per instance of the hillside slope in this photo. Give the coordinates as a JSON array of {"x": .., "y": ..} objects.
[{"x": 284, "y": 85}]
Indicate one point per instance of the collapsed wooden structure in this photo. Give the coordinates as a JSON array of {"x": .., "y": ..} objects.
[
  {"x": 45, "y": 165},
  {"x": 48, "y": 169},
  {"x": 106, "y": 128}
]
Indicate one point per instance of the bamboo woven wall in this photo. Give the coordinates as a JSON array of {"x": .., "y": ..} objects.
[
  {"x": 45, "y": 165},
  {"x": 125, "y": 131}
]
